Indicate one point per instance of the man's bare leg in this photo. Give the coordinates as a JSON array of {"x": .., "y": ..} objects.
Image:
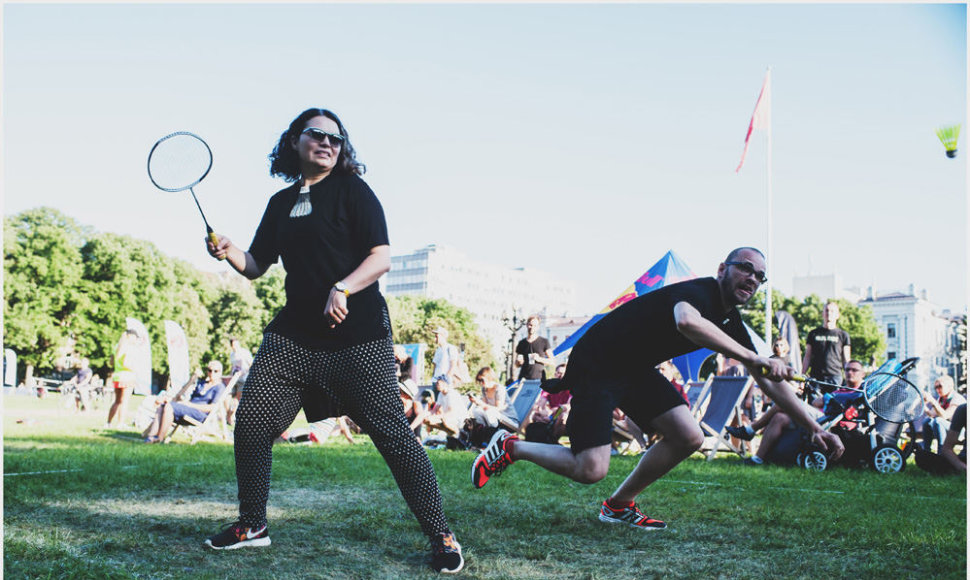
[
  {"x": 587, "y": 466},
  {"x": 682, "y": 436}
]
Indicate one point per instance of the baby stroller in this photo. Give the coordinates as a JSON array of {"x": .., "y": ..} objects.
[{"x": 869, "y": 420}]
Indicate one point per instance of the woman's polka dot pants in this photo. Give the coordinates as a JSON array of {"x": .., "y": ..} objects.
[{"x": 361, "y": 381}]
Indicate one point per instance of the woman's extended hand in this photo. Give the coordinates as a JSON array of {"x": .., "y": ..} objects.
[
  {"x": 220, "y": 250},
  {"x": 336, "y": 309}
]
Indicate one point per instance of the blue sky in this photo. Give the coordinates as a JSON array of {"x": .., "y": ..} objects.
[{"x": 584, "y": 140}]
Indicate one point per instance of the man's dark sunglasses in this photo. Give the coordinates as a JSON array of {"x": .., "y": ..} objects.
[
  {"x": 748, "y": 268},
  {"x": 319, "y": 135}
]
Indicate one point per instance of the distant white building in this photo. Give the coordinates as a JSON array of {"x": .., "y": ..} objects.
[
  {"x": 492, "y": 292},
  {"x": 914, "y": 327}
]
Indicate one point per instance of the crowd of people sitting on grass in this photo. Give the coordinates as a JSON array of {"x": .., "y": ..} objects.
[
  {"x": 453, "y": 415},
  {"x": 456, "y": 413}
]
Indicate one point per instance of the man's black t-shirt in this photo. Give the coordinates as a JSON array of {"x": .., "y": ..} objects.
[
  {"x": 642, "y": 333},
  {"x": 319, "y": 250},
  {"x": 827, "y": 352},
  {"x": 539, "y": 346}
]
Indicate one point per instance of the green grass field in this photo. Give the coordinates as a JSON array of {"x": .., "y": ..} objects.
[{"x": 83, "y": 502}]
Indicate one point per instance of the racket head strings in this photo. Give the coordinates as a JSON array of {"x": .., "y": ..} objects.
[
  {"x": 893, "y": 398},
  {"x": 179, "y": 161}
]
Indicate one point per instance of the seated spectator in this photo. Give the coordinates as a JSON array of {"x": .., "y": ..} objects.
[
  {"x": 198, "y": 407},
  {"x": 320, "y": 431},
  {"x": 493, "y": 402},
  {"x": 240, "y": 359},
  {"x": 403, "y": 365},
  {"x": 670, "y": 372},
  {"x": 957, "y": 424},
  {"x": 940, "y": 411},
  {"x": 780, "y": 440},
  {"x": 547, "y": 421},
  {"x": 627, "y": 436},
  {"x": 409, "y": 396},
  {"x": 854, "y": 374},
  {"x": 449, "y": 411}
]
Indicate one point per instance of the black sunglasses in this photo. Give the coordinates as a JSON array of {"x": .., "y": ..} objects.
[
  {"x": 748, "y": 269},
  {"x": 319, "y": 135}
]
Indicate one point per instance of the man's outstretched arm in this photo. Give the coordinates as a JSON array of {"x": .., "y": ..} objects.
[{"x": 769, "y": 373}]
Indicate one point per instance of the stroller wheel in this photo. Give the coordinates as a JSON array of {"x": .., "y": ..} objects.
[
  {"x": 888, "y": 459},
  {"x": 813, "y": 461}
]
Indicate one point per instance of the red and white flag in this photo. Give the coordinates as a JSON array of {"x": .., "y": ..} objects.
[{"x": 761, "y": 119}]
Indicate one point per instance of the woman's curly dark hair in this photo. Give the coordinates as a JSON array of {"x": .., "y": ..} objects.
[{"x": 285, "y": 162}]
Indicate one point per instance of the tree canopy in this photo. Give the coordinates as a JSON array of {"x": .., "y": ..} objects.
[
  {"x": 868, "y": 342},
  {"x": 414, "y": 318}
]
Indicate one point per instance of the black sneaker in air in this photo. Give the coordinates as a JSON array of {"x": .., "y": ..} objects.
[
  {"x": 446, "y": 554},
  {"x": 739, "y": 432},
  {"x": 237, "y": 536}
]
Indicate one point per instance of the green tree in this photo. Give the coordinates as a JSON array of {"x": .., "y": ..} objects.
[
  {"x": 128, "y": 277},
  {"x": 237, "y": 312},
  {"x": 414, "y": 318},
  {"x": 271, "y": 291},
  {"x": 868, "y": 342},
  {"x": 42, "y": 273}
]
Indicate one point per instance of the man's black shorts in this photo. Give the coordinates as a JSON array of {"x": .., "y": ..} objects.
[{"x": 643, "y": 395}]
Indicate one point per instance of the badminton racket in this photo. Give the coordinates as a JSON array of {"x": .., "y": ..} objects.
[
  {"x": 890, "y": 396},
  {"x": 180, "y": 161}
]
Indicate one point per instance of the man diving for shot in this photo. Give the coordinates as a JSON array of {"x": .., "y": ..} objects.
[{"x": 612, "y": 365}]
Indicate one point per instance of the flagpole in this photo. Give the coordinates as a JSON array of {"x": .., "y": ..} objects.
[{"x": 768, "y": 249}]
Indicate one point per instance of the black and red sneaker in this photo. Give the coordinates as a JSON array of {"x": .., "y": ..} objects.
[
  {"x": 493, "y": 459},
  {"x": 632, "y": 516},
  {"x": 446, "y": 554},
  {"x": 238, "y": 536}
]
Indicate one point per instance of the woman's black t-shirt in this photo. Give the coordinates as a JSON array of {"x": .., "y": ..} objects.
[{"x": 319, "y": 250}]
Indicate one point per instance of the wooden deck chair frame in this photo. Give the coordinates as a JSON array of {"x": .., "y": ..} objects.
[
  {"x": 521, "y": 403},
  {"x": 215, "y": 422},
  {"x": 724, "y": 399},
  {"x": 697, "y": 395}
]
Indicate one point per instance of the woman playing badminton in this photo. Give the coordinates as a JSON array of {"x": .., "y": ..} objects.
[{"x": 329, "y": 349}]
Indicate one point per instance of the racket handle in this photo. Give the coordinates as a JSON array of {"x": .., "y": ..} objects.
[
  {"x": 214, "y": 239},
  {"x": 797, "y": 378}
]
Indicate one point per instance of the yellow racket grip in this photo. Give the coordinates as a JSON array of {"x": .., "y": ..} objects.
[
  {"x": 797, "y": 378},
  {"x": 215, "y": 240}
]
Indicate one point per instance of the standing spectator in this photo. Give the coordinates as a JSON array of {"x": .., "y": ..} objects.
[
  {"x": 827, "y": 348},
  {"x": 240, "y": 359},
  {"x": 533, "y": 352},
  {"x": 940, "y": 411},
  {"x": 123, "y": 377},
  {"x": 445, "y": 360},
  {"x": 330, "y": 347},
  {"x": 780, "y": 348},
  {"x": 80, "y": 383}
]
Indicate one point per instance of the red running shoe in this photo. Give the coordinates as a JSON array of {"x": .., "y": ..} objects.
[
  {"x": 631, "y": 516},
  {"x": 493, "y": 459}
]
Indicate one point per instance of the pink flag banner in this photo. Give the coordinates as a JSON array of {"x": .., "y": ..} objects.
[{"x": 761, "y": 118}]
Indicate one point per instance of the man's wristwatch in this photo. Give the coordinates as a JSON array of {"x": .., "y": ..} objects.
[{"x": 341, "y": 287}]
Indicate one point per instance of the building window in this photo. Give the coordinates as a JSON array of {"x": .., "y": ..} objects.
[
  {"x": 890, "y": 355},
  {"x": 891, "y": 330}
]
